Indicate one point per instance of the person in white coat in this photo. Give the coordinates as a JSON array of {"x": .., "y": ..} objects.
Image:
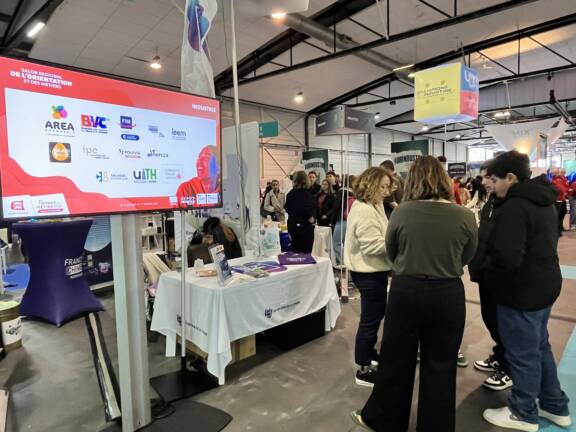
[{"x": 365, "y": 257}]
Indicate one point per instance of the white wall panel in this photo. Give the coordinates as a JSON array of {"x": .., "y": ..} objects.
[
  {"x": 450, "y": 149},
  {"x": 460, "y": 152}
]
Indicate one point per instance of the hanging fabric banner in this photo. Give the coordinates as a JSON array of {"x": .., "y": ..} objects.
[
  {"x": 317, "y": 161},
  {"x": 524, "y": 137},
  {"x": 557, "y": 130},
  {"x": 406, "y": 152},
  {"x": 197, "y": 76}
]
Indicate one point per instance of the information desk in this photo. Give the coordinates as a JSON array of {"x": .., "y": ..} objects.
[{"x": 217, "y": 316}]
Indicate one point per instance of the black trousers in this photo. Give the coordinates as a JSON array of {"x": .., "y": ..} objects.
[
  {"x": 373, "y": 293},
  {"x": 432, "y": 313},
  {"x": 302, "y": 234},
  {"x": 561, "y": 210},
  {"x": 489, "y": 310}
]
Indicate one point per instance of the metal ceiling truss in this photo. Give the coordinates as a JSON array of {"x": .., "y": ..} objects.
[
  {"x": 454, "y": 55},
  {"x": 285, "y": 41},
  {"x": 439, "y": 25},
  {"x": 15, "y": 41}
]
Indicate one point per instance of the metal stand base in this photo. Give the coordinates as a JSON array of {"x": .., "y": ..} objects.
[
  {"x": 189, "y": 415},
  {"x": 182, "y": 384}
]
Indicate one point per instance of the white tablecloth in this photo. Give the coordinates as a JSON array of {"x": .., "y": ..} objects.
[{"x": 217, "y": 315}]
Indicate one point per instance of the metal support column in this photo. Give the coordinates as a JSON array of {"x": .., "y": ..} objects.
[{"x": 130, "y": 321}]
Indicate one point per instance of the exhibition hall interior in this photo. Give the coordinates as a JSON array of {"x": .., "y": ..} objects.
[{"x": 287, "y": 215}]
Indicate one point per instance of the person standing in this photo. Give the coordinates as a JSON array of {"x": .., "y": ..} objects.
[
  {"x": 301, "y": 208},
  {"x": 572, "y": 198},
  {"x": 524, "y": 271},
  {"x": 365, "y": 258},
  {"x": 395, "y": 198},
  {"x": 314, "y": 186},
  {"x": 429, "y": 240},
  {"x": 274, "y": 202},
  {"x": 496, "y": 362},
  {"x": 331, "y": 177},
  {"x": 562, "y": 186},
  {"x": 325, "y": 204}
]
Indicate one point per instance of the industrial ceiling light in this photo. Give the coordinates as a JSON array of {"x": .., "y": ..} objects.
[
  {"x": 278, "y": 15},
  {"x": 458, "y": 136},
  {"x": 425, "y": 128},
  {"x": 155, "y": 64},
  {"x": 34, "y": 30},
  {"x": 377, "y": 116},
  {"x": 411, "y": 75},
  {"x": 299, "y": 98},
  {"x": 502, "y": 114},
  {"x": 410, "y": 66}
]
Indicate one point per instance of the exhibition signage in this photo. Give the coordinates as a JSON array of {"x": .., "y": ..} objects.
[
  {"x": 268, "y": 130},
  {"x": 446, "y": 94},
  {"x": 316, "y": 160},
  {"x": 526, "y": 137},
  {"x": 344, "y": 121},
  {"x": 406, "y": 152},
  {"x": 73, "y": 144},
  {"x": 457, "y": 169},
  {"x": 98, "y": 252}
]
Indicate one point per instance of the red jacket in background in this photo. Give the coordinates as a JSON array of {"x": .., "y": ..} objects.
[
  {"x": 562, "y": 186},
  {"x": 456, "y": 190}
]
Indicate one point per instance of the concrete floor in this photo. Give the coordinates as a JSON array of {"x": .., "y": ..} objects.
[{"x": 309, "y": 389}]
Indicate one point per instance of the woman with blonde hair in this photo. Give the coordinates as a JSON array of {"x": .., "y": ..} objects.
[
  {"x": 365, "y": 258},
  {"x": 429, "y": 240}
]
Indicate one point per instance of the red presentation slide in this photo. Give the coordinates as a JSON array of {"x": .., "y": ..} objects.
[{"x": 78, "y": 144}]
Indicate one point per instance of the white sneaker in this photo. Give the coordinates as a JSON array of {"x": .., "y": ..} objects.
[
  {"x": 562, "y": 421},
  {"x": 504, "y": 418}
]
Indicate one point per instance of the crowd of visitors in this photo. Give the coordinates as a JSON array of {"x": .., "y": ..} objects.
[{"x": 420, "y": 233}]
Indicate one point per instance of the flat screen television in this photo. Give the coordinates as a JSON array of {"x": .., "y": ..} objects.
[{"x": 73, "y": 144}]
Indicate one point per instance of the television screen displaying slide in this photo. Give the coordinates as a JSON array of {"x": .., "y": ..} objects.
[{"x": 78, "y": 144}]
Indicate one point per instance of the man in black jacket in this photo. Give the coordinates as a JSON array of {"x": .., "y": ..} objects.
[
  {"x": 495, "y": 363},
  {"x": 524, "y": 270}
]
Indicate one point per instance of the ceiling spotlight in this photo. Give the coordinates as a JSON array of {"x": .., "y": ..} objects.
[
  {"x": 506, "y": 113},
  {"x": 299, "y": 98},
  {"x": 425, "y": 128},
  {"x": 502, "y": 114},
  {"x": 278, "y": 15},
  {"x": 411, "y": 75},
  {"x": 34, "y": 30},
  {"x": 458, "y": 136},
  {"x": 155, "y": 64},
  {"x": 377, "y": 116}
]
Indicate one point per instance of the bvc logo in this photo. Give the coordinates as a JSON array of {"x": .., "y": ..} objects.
[{"x": 93, "y": 122}]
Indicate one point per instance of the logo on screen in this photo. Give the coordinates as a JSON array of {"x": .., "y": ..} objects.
[
  {"x": 93, "y": 152},
  {"x": 128, "y": 154},
  {"x": 130, "y": 137},
  {"x": 94, "y": 124},
  {"x": 172, "y": 174},
  {"x": 102, "y": 176},
  {"x": 58, "y": 112},
  {"x": 17, "y": 206},
  {"x": 60, "y": 152},
  {"x": 146, "y": 175},
  {"x": 156, "y": 154},
  {"x": 126, "y": 123},
  {"x": 178, "y": 134},
  {"x": 154, "y": 129}
]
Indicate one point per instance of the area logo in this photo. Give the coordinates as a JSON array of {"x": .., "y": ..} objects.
[
  {"x": 56, "y": 126},
  {"x": 127, "y": 123},
  {"x": 60, "y": 152},
  {"x": 94, "y": 124},
  {"x": 156, "y": 154},
  {"x": 58, "y": 112},
  {"x": 178, "y": 134},
  {"x": 146, "y": 175}
]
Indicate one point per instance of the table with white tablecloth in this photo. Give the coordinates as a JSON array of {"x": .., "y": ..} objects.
[
  {"x": 217, "y": 316},
  {"x": 323, "y": 246}
]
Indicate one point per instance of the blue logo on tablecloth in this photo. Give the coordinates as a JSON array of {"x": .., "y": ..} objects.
[{"x": 268, "y": 313}]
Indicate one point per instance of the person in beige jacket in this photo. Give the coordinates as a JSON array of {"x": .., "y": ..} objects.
[{"x": 365, "y": 257}]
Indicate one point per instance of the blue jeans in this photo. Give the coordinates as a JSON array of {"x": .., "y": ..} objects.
[
  {"x": 531, "y": 363},
  {"x": 338, "y": 238}
]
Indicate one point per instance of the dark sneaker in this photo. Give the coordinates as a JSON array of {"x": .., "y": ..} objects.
[
  {"x": 488, "y": 365},
  {"x": 366, "y": 377},
  {"x": 462, "y": 362},
  {"x": 357, "y": 417},
  {"x": 498, "y": 381}
]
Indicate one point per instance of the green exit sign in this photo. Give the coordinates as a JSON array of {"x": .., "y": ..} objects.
[{"x": 269, "y": 129}]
